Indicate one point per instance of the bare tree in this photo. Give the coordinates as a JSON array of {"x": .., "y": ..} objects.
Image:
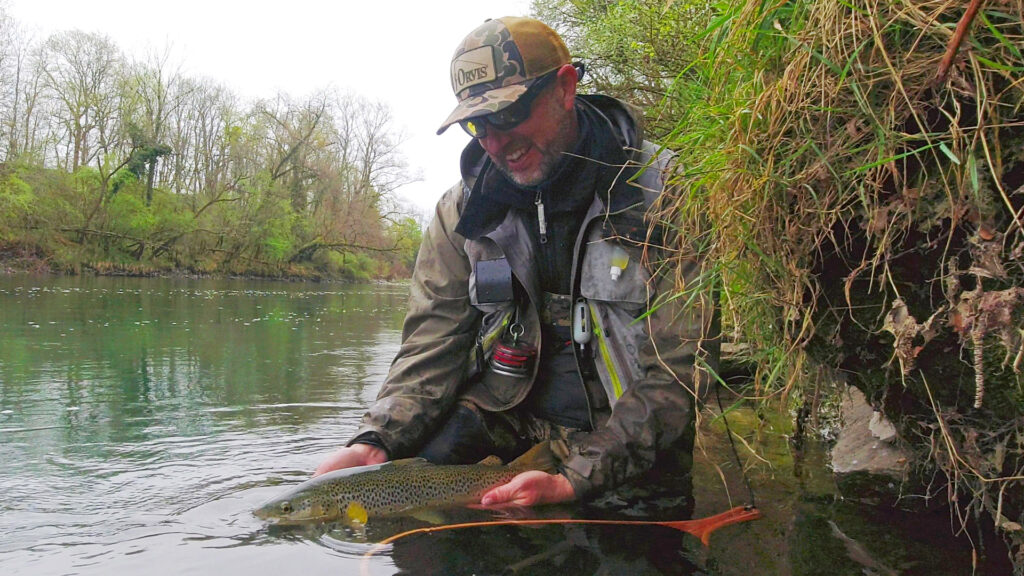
[
  {"x": 20, "y": 89},
  {"x": 354, "y": 192},
  {"x": 155, "y": 92},
  {"x": 81, "y": 73},
  {"x": 28, "y": 118},
  {"x": 294, "y": 138},
  {"x": 198, "y": 134},
  {"x": 9, "y": 57}
]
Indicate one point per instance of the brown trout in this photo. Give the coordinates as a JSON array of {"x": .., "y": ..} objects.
[{"x": 397, "y": 488}]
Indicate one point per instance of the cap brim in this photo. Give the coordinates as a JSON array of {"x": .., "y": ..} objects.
[{"x": 487, "y": 103}]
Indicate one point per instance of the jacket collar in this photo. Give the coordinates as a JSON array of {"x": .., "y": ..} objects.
[{"x": 597, "y": 170}]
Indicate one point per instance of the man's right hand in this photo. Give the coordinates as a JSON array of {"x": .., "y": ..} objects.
[{"x": 349, "y": 456}]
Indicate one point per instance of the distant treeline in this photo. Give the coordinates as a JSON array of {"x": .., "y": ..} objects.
[{"x": 128, "y": 166}]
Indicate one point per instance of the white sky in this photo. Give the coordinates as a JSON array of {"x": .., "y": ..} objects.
[{"x": 395, "y": 51}]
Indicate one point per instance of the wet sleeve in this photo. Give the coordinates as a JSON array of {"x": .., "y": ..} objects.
[{"x": 437, "y": 335}]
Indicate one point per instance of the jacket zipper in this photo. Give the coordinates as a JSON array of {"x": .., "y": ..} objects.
[
  {"x": 542, "y": 223},
  {"x": 574, "y": 294}
]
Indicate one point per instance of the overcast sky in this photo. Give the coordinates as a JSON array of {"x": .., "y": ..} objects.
[{"x": 396, "y": 51}]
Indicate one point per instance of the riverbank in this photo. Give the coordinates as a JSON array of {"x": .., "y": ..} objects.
[{"x": 21, "y": 260}]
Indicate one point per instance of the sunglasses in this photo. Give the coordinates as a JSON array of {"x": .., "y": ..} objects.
[{"x": 512, "y": 115}]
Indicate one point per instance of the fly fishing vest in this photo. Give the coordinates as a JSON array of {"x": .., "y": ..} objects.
[{"x": 612, "y": 288}]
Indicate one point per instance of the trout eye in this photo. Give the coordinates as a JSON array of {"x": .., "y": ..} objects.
[{"x": 286, "y": 507}]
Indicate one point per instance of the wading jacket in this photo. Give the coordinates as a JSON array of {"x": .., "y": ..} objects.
[{"x": 650, "y": 342}]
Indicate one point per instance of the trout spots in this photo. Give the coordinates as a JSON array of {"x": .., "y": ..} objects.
[{"x": 400, "y": 487}]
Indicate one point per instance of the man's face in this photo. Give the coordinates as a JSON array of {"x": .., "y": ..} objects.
[{"x": 529, "y": 152}]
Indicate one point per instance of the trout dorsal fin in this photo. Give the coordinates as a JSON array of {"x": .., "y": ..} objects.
[
  {"x": 410, "y": 462},
  {"x": 540, "y": 457},
  {"x": 491, "y": 460}
]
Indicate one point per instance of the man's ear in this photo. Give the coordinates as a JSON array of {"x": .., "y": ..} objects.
[{"x": 566, "y": 80}]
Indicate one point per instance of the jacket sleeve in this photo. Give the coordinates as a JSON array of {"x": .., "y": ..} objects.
[
  {"x": 655, "y": 414},
  {"x": 437, "y": 336}
]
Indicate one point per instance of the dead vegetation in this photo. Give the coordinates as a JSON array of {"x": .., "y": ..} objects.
[{"x": 866, "y": 186}]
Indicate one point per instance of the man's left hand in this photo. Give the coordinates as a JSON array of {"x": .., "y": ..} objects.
[{"x": 530, "y": 488}]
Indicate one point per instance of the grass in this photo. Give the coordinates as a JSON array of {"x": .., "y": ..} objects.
[{"x": 840, "y": 177}]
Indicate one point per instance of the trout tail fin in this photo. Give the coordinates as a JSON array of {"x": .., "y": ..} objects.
[{"x": 540, "y": 457}]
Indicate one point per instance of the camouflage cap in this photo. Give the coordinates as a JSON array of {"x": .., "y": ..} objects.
[{"x": 497, "y": 62}]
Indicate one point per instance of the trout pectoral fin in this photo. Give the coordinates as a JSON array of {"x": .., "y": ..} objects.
[
  {"x": 316, "y": 510},
  {"x": 429, "y": 516},
  {"x": 356, "y": 513}
]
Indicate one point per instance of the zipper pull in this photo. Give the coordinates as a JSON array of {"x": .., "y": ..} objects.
[{"x": 542, "y": 223}]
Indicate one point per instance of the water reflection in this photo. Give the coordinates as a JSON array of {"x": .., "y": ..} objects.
[
  {"x": 135, "y": 412},
  {"x": 552, "y": 549},
  {"x": 569, "y": 549}
]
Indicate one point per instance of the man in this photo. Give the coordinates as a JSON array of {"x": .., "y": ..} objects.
[{"x": 540, "y": 306}]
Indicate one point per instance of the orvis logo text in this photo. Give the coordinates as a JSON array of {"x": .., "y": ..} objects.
[
  {"x": 466, "y": 77},
  {"x": 473, "y": 67}
]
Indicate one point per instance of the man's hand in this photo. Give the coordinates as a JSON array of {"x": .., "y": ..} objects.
[
  {"x": 529, "y": 488},
  {"x": 349, "y": 456}
]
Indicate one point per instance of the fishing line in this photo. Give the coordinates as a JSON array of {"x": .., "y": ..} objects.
[
  {"x": 701, "y": 528},
  {"x": 735, "y": 453}
]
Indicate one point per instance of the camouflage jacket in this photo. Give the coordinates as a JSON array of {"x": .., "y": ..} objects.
[{"x": 645, "y": 343}]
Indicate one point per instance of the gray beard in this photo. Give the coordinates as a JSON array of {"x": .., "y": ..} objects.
[{"x": 550, "y": 161}]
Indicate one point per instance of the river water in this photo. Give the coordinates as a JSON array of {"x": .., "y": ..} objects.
[{"x": 141, "y": 420}]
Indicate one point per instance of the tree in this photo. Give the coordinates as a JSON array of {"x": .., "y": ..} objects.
[
  {"x": 634, "y": 49},
  {"x": 9, "y": 66},
  {"x": 154, "y": 93},
  {"x": 21, "y": 123},
  {"x": 133, "y": 161},
  {"x": 81, "y": 72},
  {"x": 353, "y": 195},
  {"x": 294, "y": 133},
  {"x": 198, "y": 132}
]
